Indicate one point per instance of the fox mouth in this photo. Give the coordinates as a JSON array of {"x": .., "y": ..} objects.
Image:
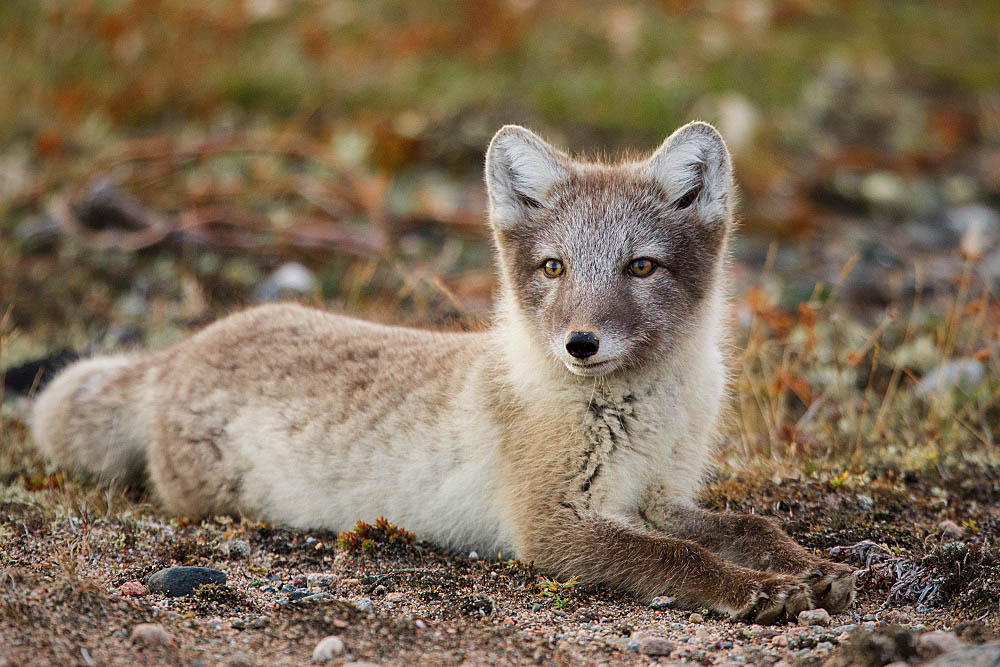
[{"x": 578, "y": 367}]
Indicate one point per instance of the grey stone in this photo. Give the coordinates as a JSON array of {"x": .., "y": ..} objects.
[
  {"x": 151, "y": 634},
  {"x": 322, "y": 580},
  {"x": 238, "y": 549},
  {"x": 662, "y": 602},
  {"x": 655, "y": 646},
  {"x": 181, "y": 580},
  {"x": 291, "y": 277},
  {"x": 365, "y": 605},
  {"x": 814, "y": 617},
  {"x": 327, "y": 648}
]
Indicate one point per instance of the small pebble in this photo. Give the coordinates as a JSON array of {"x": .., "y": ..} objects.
[
  {"x": 134, "y": 588},
  {"x": 950, "y": 529},
  {"x": 238, "y": 549},
  {"x": 238, "y": 624},
  {"x": 473, "y": 555},
  {"x": 814, "y": 617},
  {"x": 395, "y": 596},
  {"x": 536, "y": 607},
  {"x": 300, "y": 581},
  {"x": 780, "y": 641},
  {"x": 322, "y": 580},
  {"x": 696, "y": 618},
  {"x": 655, "y": 646},
  {"x": 662, "y": 602},
  {"x": 327, "y": 648},
  {"x": 151, "y": 634},
  {"x": 365, "y": 605}
]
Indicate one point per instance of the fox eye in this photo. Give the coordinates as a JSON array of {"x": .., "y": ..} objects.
[
  {"x": 553, "y": 268},
  {"x": 642, "y": 267}
]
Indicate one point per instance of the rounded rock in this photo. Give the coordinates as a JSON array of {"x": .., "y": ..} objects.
[
  {"x": 655, "y": 646},
  {"x": 151, "y": 634},
  {"x": 814, "y": 617},
  {"x": 322, "y": 580},
  {"x": 238, "y": 549},
  {"x": 662, "y": 602},
  {"x": 133, "y": 588},
  {"x": 327, "y": 648},
  {"x": 180, "y": 580}
]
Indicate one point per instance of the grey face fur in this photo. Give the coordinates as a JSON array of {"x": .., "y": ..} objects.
[{"x": 595, "y": 220}]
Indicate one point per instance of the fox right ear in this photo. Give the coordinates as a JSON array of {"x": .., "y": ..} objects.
[{"x": 521, "y": 168}]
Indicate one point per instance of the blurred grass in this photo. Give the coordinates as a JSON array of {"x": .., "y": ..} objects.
[
  {"x": 349, "y": 136},
  {"x": 631, "y": 70}
]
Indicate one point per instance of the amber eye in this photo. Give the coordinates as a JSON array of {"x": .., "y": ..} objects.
[
  {"x": 641, "y": 267},
  {"x": 553, "y": 268}
]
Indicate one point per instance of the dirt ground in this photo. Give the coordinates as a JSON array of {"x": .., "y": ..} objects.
[{"x": 924, "y": 545}]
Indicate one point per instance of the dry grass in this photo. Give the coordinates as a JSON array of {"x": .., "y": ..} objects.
[{"x": 821, "y": 389}]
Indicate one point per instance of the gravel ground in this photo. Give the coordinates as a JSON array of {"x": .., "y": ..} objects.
[{"x": 74, "y": 589}]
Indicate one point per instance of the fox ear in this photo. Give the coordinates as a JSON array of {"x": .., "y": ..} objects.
[
  {"x": 694, "y": 168},
  {"x": 520, "y": 170}
]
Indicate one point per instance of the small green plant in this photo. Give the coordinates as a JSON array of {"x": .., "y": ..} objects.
[
  {"x": 559, "y": 592},
  {"x": 366, "y": 538}
]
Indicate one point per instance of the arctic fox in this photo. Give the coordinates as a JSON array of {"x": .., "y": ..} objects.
[{"x": 572, "y": 433}]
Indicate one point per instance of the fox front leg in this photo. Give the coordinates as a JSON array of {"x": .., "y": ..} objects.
[{"x": 756, "y": 542}]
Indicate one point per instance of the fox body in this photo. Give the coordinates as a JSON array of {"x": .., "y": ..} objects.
[{"x": 572, "y": 433}]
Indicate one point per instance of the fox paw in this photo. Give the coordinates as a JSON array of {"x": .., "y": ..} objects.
[
  {"x": 832, "y": 585},
  {"x": 781, "y": 596}
]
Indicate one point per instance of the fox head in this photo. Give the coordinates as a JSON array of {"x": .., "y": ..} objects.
[{"x": 606, "y": 265}]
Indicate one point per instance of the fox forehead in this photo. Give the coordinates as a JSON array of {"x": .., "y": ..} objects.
[{"x": 596, "y": 219}]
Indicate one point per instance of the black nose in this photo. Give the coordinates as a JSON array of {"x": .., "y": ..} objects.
[{"x": 582, "y": 344}]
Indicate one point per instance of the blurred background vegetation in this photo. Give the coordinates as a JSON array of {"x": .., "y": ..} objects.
[{"x": 163, "y": 162}]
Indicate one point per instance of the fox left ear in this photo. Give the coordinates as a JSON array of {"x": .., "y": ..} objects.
[{"x": 694, "y": 168}]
